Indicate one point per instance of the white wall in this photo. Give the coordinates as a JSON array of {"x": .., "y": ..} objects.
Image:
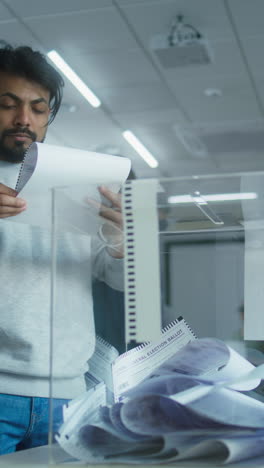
[{"x": 206, "y": 283}]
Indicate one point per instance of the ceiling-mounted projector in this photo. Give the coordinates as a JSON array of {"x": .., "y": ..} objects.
[{"x": 182, "y": 46}]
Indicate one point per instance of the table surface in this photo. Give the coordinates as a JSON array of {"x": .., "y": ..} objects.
[{"x": 47, "y": 456}]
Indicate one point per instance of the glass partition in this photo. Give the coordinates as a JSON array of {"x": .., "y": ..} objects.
[
  {"x": 87, "y": 301},
  {"x": 163, "y": 319},
  {"x": 210, "y": 251}
]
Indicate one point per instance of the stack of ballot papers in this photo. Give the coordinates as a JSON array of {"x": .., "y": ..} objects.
[{"x": 179, "y": 398}]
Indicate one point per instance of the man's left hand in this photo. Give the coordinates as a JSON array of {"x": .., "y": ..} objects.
[{"x": 112, "y": 231}]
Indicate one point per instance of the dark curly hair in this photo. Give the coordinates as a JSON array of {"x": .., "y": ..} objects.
[{"x": 25, "y": 62}]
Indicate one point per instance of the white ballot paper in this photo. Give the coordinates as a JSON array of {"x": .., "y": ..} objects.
[
  {"x": 188, "y": 406},
  {"x": 77, "y": 172}
]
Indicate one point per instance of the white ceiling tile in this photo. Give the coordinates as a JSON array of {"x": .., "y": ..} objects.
[
  {"x": 239, "y": 162},
  {"x": 116, "y": 68},
  {"x": 81, "y": 109},
  {"x": 16, "y": 34},
  {"x": 29, "y": 8},
  {"x": 234, "y": 108},
  {"x": 237, "y": 102},
  {"x": 86, "y": 32},
  {"x": 134, "y": 120},
  {"x": 260, "y": 88},
  {"x": 238, "y": 140},
  {"x": 222, "y": 164},
  {"x": 253, "y": 46},
  {"x": 94, "y": 119},
  {"x": 5, "y": 15},
  {"x": 85, "y": 133},
  {"x": 137, "y": 98},
  {"x": 248, "y": 16},
  {"x": 194, "y": 85},
  {"x": 250, "y": 165},
  {"x": 134, "y": 2}
]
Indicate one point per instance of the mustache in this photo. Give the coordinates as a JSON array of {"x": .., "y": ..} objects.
[{"x": 16, "y": 130}]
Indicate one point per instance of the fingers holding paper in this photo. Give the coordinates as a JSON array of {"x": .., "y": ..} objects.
[
  {"x": 112, "y": 232},
  {"x": 114, "y": 212},
  {"x": 110, "y": 209},
  {"x": 10, "y": 204}
]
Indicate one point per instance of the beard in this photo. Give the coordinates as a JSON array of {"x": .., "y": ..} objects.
[
  {"x": 16, "y": 153},
  {"x": 13, "y": 155}
]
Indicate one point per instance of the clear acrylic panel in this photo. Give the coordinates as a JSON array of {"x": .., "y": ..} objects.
[
  {"x": 87, "y": 301},
  {"x": 182, "y": 309}
]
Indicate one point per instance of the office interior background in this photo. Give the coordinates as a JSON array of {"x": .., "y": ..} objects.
[
  {"x": 197, "y": 110},
  {"x": 204, "y": 117}
]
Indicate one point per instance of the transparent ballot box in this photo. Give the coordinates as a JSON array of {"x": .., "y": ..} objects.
[{"x": 157, "y": 324}]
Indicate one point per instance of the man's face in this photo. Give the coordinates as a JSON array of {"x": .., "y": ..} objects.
[{"x": 24, "y": 114}]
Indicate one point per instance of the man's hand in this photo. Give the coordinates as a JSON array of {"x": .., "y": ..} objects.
[
  {"x": 10, "y": 205},
  {"x": 112, "y": 231},
  {"x": 112, "y": 213}
]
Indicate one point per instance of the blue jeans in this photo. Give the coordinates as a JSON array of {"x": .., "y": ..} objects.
[{"x": 24, "y": 421}]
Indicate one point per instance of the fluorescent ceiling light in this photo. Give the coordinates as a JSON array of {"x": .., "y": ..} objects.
[
  {"x": 140, "y": 148},
  {"x": 74, "y": 78},
  {"x": 213, "y": 198}
]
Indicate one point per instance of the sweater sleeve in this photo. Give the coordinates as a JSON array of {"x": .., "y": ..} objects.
[{"x": 105, "y": 267}]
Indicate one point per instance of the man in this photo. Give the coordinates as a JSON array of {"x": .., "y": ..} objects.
[{"x": 30, "y": 96}]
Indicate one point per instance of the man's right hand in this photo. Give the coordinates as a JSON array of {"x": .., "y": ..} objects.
[{"x": 10, "y": 205}]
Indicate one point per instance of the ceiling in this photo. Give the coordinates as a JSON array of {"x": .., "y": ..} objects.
[{"x": 108, "y": 43}]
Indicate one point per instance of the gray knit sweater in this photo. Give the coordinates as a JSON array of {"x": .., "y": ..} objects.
[{"x": 26, "y": 325}]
